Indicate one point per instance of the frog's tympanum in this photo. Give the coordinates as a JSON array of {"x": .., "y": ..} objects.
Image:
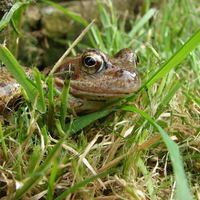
[{"x": 97, "y": 78}]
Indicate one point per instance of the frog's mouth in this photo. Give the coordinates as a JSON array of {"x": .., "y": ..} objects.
[
  {"x": 118, "y": 85},
  {"x": 121, "y": 84},
  {"x": 101, "y": 95},
  {"x": 89, "y": 93}
]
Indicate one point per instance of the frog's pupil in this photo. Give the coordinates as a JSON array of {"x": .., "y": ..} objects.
[{"x": 89, "y": 61}]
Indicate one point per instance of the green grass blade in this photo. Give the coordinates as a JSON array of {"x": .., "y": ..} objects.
[
  {"x": 98, "y": 40},
  {"x": 34, "y": 160},
  {"x": 15, "y": 28},
  {"x": 40, "y": 171},
  {"x": 3, "y": 144},
  {"x": 52, "y": 180},
  {"x": 38, "y": 80},
  {"x": 64, "y": 100},
  {"x": 167, "y": 99},
  {"x": 18, "y": 73},
  {"x": 51, "y": 116},
  {"x": 83, "y": 121},
  {"x": 142, "y": 21},
  {"x": 192, "y": 98},
  {"x": 81, "y": 184},
  {"x": 180, "y": 55},
  {"x": 149, "y": 183},
  {"x": 183, "y": 191},
  {"x": 8, "y": 16}
]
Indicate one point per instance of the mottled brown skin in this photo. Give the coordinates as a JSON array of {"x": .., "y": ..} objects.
[
  {"x": 10, "y": 91},
  {"x": 97, "y": 78}
]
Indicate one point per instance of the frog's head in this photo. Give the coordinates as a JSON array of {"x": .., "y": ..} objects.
[{"x": 97, "y": 75}]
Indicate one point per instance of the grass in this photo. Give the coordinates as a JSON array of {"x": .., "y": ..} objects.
[{"x": 147, "y": 148}]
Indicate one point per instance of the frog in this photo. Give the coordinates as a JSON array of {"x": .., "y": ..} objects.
[{"x": 96, "y": 79}]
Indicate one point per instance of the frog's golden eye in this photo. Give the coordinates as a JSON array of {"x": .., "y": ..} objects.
[{"x": 92, "y": 62}]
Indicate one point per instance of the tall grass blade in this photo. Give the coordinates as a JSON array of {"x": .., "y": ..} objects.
[
  {"x": 64, "y": 100},
  {"x": 3, "y": 144},
  {"x": 38, "y": 80},
  {"x": 180, "y": 55},
  {"x": 142, "y": 21},
  {"x": 183, "y": 191},
  {"x": 52, "y": 180},
  {"x": 149, "y": 183}
]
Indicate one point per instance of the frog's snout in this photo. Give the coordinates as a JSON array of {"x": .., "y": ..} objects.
[
  {"x": 126, "y": 75},
  {"x": 119, "y": 73}
]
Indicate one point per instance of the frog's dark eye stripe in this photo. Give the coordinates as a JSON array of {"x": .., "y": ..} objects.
[{"x": 92, "y": 62}]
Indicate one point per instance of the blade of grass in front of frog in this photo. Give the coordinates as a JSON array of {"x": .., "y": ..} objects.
[
  {"x": 180, "y": 55},
  {"x": 183, "y": 191},
  {"x": 83, "y": 121},
  {"x": 40, "y": 171},
  {"x": 3, "y": 144},
  {"x": 15, "y": 28},
  {"x": 83, "y": 183},
  {"x": 38, "y": 80},
  {"x": 8, "y": 15},
  {"x": 132, "y": 96},
  {"x": 64, "y": 100},
  {"x": 18, "y": 73},
  {"x": 50, "y": 118}
]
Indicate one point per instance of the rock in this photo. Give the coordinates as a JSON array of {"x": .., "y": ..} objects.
[
  {"x": 54, "y": 22},
  {"x": 33, "y": 15}
]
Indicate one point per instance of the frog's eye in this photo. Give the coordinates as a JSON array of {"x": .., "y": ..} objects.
[{"x": 92, "y": 62}]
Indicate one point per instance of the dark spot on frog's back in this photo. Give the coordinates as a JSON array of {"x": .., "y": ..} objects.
[{"x": 2, "y": 84}]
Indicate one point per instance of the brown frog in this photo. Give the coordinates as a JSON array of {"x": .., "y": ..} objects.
[{"x": 97, "y": 78}]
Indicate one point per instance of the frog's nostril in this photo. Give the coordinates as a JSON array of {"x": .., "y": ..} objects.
[{"x": 119, "y": 73}]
